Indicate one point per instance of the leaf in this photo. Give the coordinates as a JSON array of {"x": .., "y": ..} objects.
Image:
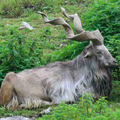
[
  {"x": 89, "y": 110},
  {"x": 64, "y": 115}
]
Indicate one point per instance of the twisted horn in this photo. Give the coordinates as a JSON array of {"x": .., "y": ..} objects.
[
  {"x": 76, "y": 21},
  {"x": 78, "y": 26},
  {"x": 94, "y": 36},
  {"x": 59, "y": 21}
]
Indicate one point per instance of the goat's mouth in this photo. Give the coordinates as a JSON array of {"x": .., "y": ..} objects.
[{"x": 112, "y": 65}]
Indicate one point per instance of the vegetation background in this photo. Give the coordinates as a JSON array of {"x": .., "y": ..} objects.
[{"x": 24, "y": 49}]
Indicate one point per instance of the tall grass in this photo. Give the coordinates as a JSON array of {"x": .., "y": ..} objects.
[{"x": 14, "y": 8}]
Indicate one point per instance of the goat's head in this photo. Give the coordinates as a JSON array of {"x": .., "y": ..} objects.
[
  {"x": 101, "y": 53},
  {"x": 96, "y": 47},
  {"x": 103, "y": 56}
]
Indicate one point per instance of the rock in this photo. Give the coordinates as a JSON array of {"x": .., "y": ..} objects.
[
  {"x": 46, "y": 111},
  {"x": 61, "y": 45},
  {"x": 66, "y": 1},
  {"x": 25, "y": 25}
]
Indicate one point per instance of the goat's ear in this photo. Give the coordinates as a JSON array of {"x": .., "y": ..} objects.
[{"x": 88, "y": 54}]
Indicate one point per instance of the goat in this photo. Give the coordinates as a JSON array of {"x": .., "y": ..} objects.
[{"x": 89, "y": 72}]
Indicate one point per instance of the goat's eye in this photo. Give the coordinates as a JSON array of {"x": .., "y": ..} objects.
[{"x": 99, "y": 52}]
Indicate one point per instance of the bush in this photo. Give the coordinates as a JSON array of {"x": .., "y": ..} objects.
[
  {"x": 105, "y": 16},
  {"x": 114, "y": 48},
  {"x": 18, "y": 54},
  {"x": 115, "y": 93}
]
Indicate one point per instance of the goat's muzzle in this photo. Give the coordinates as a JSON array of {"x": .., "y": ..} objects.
[{"x": 113, "y": 63}]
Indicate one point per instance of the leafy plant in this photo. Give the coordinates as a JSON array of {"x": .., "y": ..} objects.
[
  {"x": 84, "y": 109},
  {"x": 18, "y": 54},
  {"x": 106, "y": 19},
  {"x": 114, "y": 48}
]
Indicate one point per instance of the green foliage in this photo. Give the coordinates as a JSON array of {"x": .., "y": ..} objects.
[
  {"x": 18, "y": 54},
  {"x": 115, "y": 93},
  {"x": 85, "y": 109},
  {"x": 114, "y": 48},
  {"x": 106, "y": 19}
]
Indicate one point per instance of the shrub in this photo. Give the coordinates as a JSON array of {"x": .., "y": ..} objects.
[
  {"x": 104, "y": 16},
  {"x": 115, "y": 93},
  {"x": 18, "y": 54},
  {"x": 114, "y": 48}
]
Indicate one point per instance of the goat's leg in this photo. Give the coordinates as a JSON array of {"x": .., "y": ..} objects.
[
  {"x": 6, "y": 93},
  {"x": 46, "y": 103},
  {"x": 7, "y": 90},
  {"x": 34, "y": 103}
]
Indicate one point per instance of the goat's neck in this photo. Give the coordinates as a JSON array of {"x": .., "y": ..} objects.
[
  {"x": 89, "y": 72},
  {"x": 88, "y": 67}
]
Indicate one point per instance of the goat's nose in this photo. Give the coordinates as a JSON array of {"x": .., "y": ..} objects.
[{"x": 114, "y": 61}]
